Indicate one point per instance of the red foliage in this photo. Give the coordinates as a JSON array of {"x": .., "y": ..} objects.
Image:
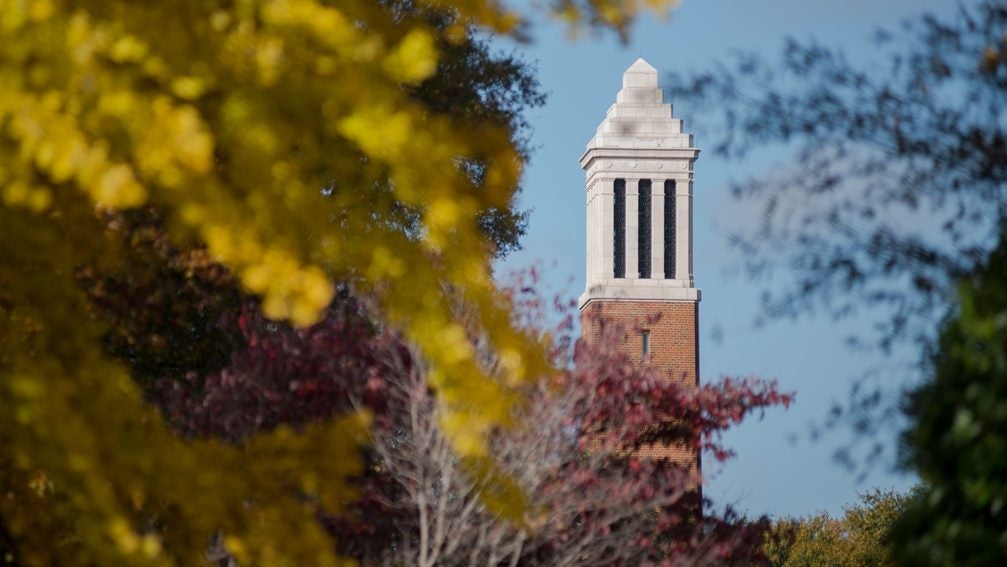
[
  {"x": 282, "y": 375},
  {"x": 599, "y": 499},
  {"x": 632, "y": 407},
  {"x": 616, "y": 409}
]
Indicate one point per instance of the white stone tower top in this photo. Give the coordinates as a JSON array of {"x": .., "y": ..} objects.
[
  {"x": 640, "y": 118},
  {"x": 639, "y": 198}
]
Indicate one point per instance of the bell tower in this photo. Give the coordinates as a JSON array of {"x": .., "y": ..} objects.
[{"x": 639, "y": 234}]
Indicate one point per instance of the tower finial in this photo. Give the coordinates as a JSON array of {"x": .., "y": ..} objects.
[{"x": 640, "y": 75}]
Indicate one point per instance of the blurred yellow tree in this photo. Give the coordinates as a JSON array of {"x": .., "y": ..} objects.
[
  {"x": 860, "y": 538},
  {"x": 232, "y": 116}
]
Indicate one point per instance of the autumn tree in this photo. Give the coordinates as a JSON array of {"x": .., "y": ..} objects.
[
  {"x": 591, "y": 500},
  {"x": 285, "y": 136},
  {"x": 861, "y": 537},
  {"x": 183, "y": 291},
  {"x": 895, "y": 189},
  {"x": 588, "y": 500},
  {"x": 896, "y": 201}
]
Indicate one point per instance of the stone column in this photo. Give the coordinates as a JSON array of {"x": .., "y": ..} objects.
[
  {"x": 632, "y": 228},
  {"x": 599, "y": 229},
  {"x": 603, "y": 246},
  {"x": 589, "y": 229},
  {"x": 657, "y": 229},
  {"x": 683, "y": 230}
]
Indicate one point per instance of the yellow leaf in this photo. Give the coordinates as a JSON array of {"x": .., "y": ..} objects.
[
  {"x": 117, "y": 187},
  {"x": 414, "y": 59}
]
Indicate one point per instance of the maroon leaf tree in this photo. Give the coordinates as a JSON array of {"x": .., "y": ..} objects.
[{"x": 574, "y": 452}]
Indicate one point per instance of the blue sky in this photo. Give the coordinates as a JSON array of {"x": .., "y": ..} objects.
[{"x": 778, "y": 469}]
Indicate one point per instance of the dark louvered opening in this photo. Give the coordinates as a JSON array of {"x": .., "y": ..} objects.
[
  {"x": 643, "y": 235},
  {"x": 619, "y": 224},
  {"x": 669, "y": 229}
]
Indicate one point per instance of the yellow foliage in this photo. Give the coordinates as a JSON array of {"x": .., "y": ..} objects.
[
  {"x": 414, "y": 59},
  {"x": 614, "y": 14},
  {"x": 232, "y": 115}
]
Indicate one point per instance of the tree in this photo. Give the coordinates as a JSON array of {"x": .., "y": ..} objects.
[
  {"x": 955, "y": 440},
  {"x": 587, "y": 499},
  {"x": 860, "y": 538},
  {"x": 184, "y": 291},
  {"x": 592, "y": 500},
  {"x": 896, "y": 186},
  {"x": 473, "y": 83},
  {"x": 906, "y": 174},
  {"x": 161, "y": 304},
  {"x": 231, "y": 119}
]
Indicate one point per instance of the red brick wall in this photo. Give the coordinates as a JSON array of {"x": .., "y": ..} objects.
[
  {"x": 674, "y": 346},
  {"x": 674, "y": 349}
]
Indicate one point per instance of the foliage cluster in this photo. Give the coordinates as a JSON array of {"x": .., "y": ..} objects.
[
  {"x": 860, "y": 538},
  {"x": 896, "y": 189},
  {"x": 956, "y": 440},
  {"x": 896, "y": 199},
  {"x": 588, "y": 500},
  {"x": 300, "y": 141}
]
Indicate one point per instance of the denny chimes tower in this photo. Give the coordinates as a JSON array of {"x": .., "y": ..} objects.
[{"x": 639, "y": 234}]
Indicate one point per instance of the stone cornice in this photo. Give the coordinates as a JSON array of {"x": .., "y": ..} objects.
[
  {"x": 640, "y": 290},
  {"x": 592, "y": 154}
]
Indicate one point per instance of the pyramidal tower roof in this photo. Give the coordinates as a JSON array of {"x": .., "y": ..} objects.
[{"x": 640, "y": 119}]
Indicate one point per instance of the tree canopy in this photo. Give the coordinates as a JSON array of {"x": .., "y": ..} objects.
[
  {"x": 896, "y": 201},
  {"x": 861, "y": 537},
  {"x": 589, "y": 499},
  {"x": 295, "y": 140},
  {"x": 955, "y": 439},
  {"x": 896, "y": 186}
]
